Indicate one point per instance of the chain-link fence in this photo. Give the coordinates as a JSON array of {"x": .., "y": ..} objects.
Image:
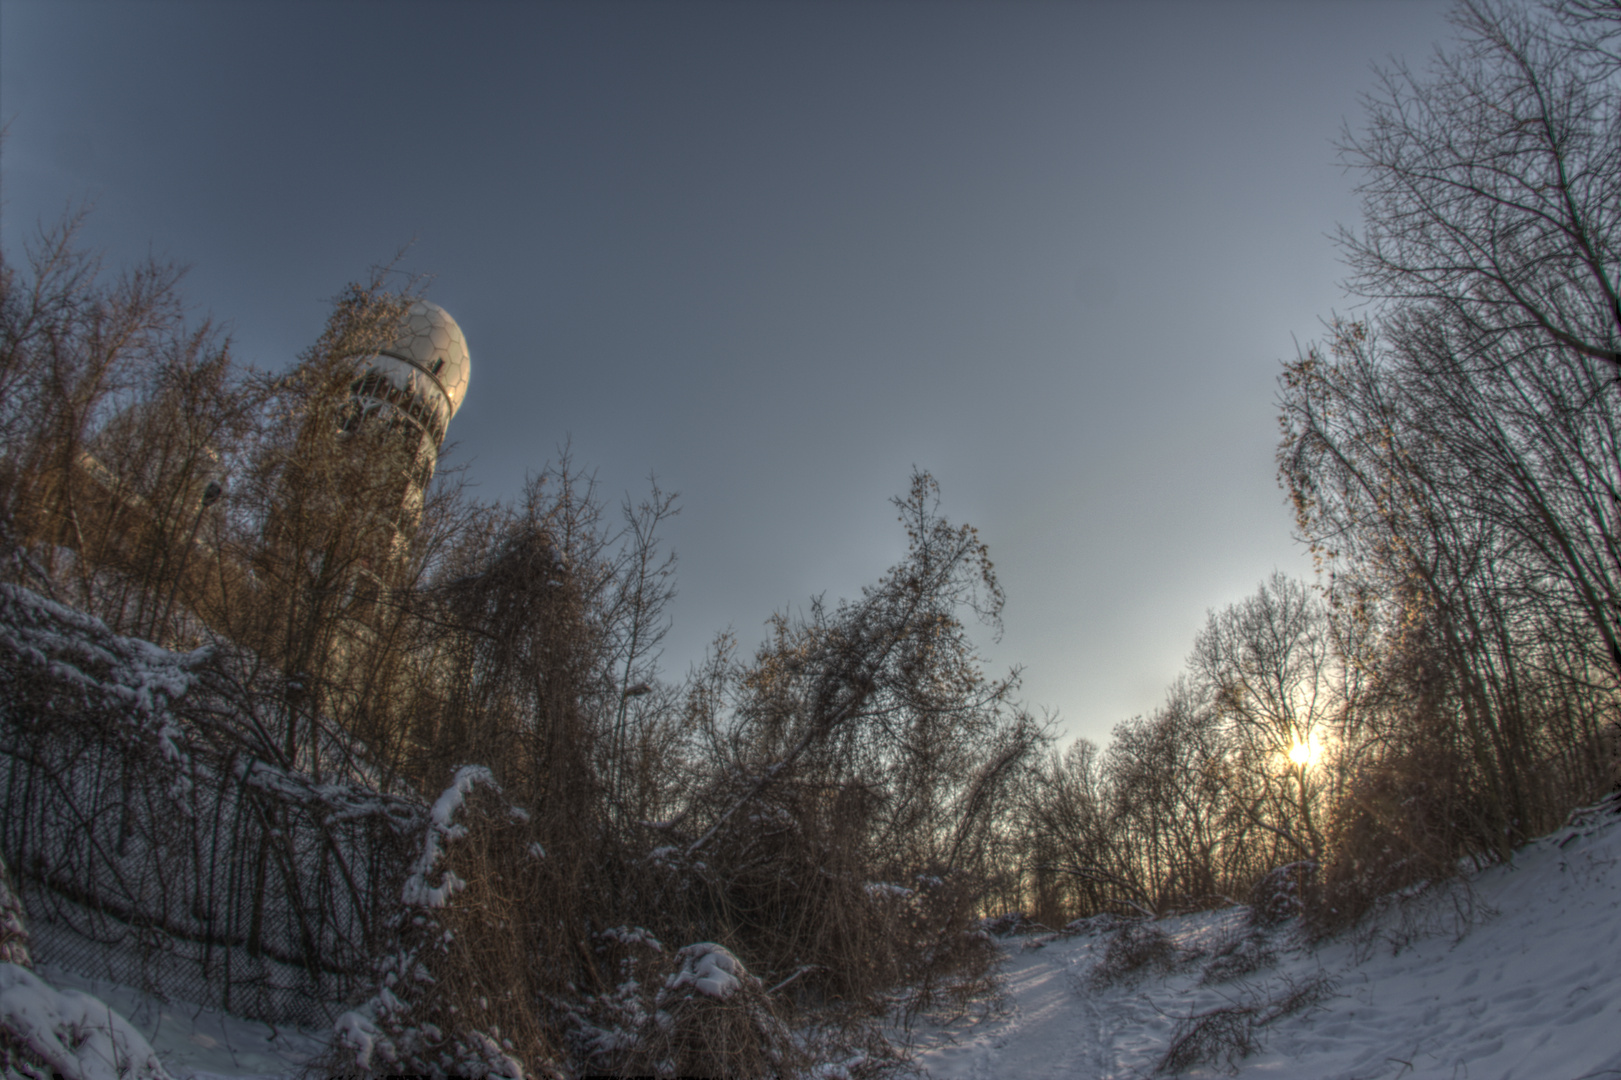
[{"x": 158, "y": 841}]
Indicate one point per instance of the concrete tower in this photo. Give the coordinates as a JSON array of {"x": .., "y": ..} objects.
[
  {"x": 423, "y": 375},
  {"x": 412, "y": 389}
]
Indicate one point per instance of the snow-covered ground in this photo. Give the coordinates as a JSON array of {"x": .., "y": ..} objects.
[
  {"x": 1516, "y": 977},
  {"x": 195, "y": 1043}
]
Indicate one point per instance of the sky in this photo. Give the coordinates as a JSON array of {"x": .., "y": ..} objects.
[{"x": 778, "y": 255}]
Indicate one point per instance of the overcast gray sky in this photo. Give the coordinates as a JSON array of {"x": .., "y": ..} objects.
[{"x": 778, "y": 253}]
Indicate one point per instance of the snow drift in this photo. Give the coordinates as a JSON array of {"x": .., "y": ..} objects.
[{"x": 1514, "y": 973}]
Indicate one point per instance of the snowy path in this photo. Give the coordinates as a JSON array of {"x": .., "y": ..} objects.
[
  {"x": 1041, "y": 997},
  {"x": 1531, "y": 991}
]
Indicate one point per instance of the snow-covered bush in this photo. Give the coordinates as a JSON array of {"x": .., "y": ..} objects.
[
  {"x": 712, "y": 1018},
  {"x": 1088, "y": 925},
  {"x": 43, "y": 1029},
  {"x": 697, "y": 1012}
]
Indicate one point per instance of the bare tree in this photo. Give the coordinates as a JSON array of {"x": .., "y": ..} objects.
[
  {"x": 1491, "y": 184},
  {"x": 1453, "y": 459},
  {"x": 73, "y": 346},
  {"x": 883, "y": 693},
  {"x": 1271, "y": 670}
]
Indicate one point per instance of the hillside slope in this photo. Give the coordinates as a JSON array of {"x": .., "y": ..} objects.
[{"x": 1514, "y": 974}]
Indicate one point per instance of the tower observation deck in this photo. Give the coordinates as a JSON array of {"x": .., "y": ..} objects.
[{"x": 421, "y": 378}]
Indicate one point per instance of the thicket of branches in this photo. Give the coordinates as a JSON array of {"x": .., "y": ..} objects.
[
  {"x": 1453, "y": 461},
  {"x": 1234, "y": 775},
  {"x": 825, "y": 812}
]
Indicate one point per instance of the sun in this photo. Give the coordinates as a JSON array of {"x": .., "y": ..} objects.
[{"x": 1305, "y": 753}]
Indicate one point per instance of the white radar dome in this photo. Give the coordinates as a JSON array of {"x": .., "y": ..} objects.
[{"x": 430, "y": 340}]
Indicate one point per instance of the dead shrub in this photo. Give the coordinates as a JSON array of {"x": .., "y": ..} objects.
[
  {"x": 1101, "y": 923},
  {"x": 1009, "y": 923},
  {"x": 712, "y": 1018},
  {"x": 952, "y": 962},
  {"x": 1225, "y": 1035},
  {"x": 488, "y": 982},
  {"x": 960, "y": 977},
  {"x": 1229, "y": 1033},
  {"x": 1238, "y": 954},
  {"x": 789, "y": 882},
  {"x": 1282, "y": 893},
  {"x": 1300, "y": 996},
  {"x": 459, "y": 994},
  {"x": 1135, "y": 947}
]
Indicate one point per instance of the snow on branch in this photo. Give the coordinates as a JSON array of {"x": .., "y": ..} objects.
[{"x": 441, "y": 830}]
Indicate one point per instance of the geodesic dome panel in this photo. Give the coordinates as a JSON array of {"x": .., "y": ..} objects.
[{"x": 430, "y": 340}]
